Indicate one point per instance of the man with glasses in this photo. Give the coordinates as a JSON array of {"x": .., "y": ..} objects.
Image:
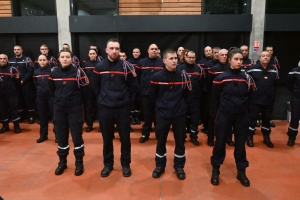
[
  {"x": 195, "y": 73},
  {"x": 45, "y": 51},
  {"x": 145, "y": 68}
]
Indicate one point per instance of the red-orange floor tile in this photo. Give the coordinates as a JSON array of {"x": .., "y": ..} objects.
[{"x": 27, "y": 170}]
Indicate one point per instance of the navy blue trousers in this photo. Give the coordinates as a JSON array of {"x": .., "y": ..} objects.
[
  {"x": 295, "y": 116},
  {"x": 108, "y": 116},
  {"x": 149, "y": 115},
  {"x": 44, "y": 106},
  {"x": 162, "y": 131},
  {"x": 224, "y": 124},
  {"x": 66, "y": 118},
  {"x": 8, "y": 107},
  {"x": 266, "y": 115}
]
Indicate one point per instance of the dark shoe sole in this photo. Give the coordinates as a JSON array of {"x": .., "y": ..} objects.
[
  {"x": 268, "y": 144},
  {"x": 40, "y": 140},
  {"x": 244, "y": 184},
  {"x": 78, "y": 173},
  {"x": 158, "y": 176},
  {"x": 60, "y": 172}
]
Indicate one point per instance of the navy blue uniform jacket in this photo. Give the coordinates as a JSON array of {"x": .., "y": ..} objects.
[
  {"x": 230, "y": 92},
  {"x": 170, "y": 92},
  {"x": 293, "y": 82},
  {"x": 114, "y": 83},
  {"x": 265, "y": 83},
  {"x": 40, "y": 78},
  {"x": 145, "y": 68},
  {"x": 9, "y": 80},
  {"x": 66, "y": 84},
  {"x": 196, "y": 75}
]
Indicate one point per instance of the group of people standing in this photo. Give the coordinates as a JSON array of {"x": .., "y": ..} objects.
[{"x": 226, "y": 91}]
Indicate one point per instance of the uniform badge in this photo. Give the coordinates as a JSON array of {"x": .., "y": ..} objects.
[
  {"x": 265, "y": 77},
  {"x": 65, "y": 82}
]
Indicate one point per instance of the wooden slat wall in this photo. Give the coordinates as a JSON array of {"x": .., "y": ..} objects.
[
  {"x": 159, "y": 7},
  {"x": 5, "y": 8}
]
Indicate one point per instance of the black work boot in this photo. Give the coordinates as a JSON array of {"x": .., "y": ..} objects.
[
  {"x": 241, "y": 176},
  {"x": 250, "y": 140},
  {"x": 5, "y": 127},
  {"x": 137, "y": 117},
  {"x": 31, "y": 117},
  {"x": 89, "y": 128},
  {"x": 79, "y": 166},
  {"x": 132, "y": 121},
  {"x": 17, "y": 127},
  {"x": 291, "y": 140},
  {"x": 62, "y": 165},
  {"x": 267, "y": 140},
  {"x": 229, "y": 140},
  {"x": 215, "y": 175}
]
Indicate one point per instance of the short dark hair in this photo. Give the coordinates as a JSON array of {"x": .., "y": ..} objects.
[
  {"x": 214, "y": 48},
  {"x": 66, "y": 44},
  {"x": 43, "y": 55},
  {"x": 168, "y": 51},
  {"x": 18, "y": 46},
  {"x": 93, "y": 49},
  {"x": 232, "y": 51},
  {"x": 65, "y": 50},
  {"x": 112, "y": 40}
]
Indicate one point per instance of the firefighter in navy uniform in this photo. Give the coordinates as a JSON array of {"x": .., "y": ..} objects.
[
  {"x": 136, "y": 53},
  {"x": 75, "y": 59},
  {"x": 135, "y": 104},
  {"x": 215, "y": 71},
  {"x": 44, "y": 98},
  {"x": 114, "y": 82},
  {"x": 230, "y": 97},
  {"x": 66, "y": 83},
  {"x": 208, "y": 56},
  {"x": 206, "y": 93},
  {"x": 170, "y": 89},
  {"x": 201, "y": 63},
  {"x": 262, "y": 100},
  {"x": 145, "y": 69},
  {"x": 293, "y": 83},
  {"x": 273, "y": 61},
  {"x": 247, "y": 62},
  {"x": 98, "y": 58},
  {"x": 195, "y": 73},
  {"x": 51, "y": 60},
  {"x": 9, "y": 81},
  {"x": 90, "y": 98},
  {"x": 25, "y": 93}
]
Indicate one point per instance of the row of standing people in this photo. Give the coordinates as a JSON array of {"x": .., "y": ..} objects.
[{"x": 160, "y": 155}]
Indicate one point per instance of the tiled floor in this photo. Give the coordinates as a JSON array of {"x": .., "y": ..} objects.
[{"x": 27, "y": 170}]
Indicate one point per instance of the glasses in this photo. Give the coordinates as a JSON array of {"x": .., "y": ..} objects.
[{"x": 191, "y": 58}]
